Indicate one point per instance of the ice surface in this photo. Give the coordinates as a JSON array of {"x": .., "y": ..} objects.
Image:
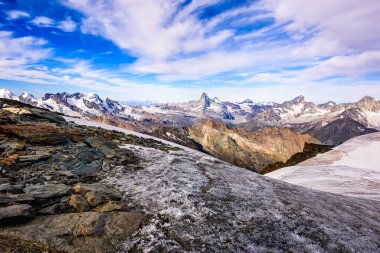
[{"x": 352, "y": 168}]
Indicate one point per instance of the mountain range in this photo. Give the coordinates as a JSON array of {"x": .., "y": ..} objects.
[
  {"x": 331, "y": 123},
  {"x": 258, "y": 136}
]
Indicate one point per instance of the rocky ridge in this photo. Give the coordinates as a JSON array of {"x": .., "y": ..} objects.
[
  {"x": 50, "y": 173},
  {"x": 252, "y": 150}
]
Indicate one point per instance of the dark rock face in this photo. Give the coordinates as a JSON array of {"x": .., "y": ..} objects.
[
  {"x": 339, "y": 131},
  {"x": 310, "y": 150}
]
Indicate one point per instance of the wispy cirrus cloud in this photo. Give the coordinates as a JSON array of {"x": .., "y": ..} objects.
[
  {"x": 16, "y": 14},
  {"x": 67, "y": 25},
  {"x": 175, "y": 38}
]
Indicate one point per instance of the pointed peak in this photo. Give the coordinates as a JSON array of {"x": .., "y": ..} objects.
[
  {"x": 204, "y": 101},
  {"x": 247, "y": 101},
  {"x": 204, "y": 95},
  {"x": 26, "y": 95},
  {"x": 298, "y": 99},
  {"x": 4, "y": 93},
  {"x": 91, "y": 96}
]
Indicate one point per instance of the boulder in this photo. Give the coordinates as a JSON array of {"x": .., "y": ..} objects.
[
  {"x": 16, "y": 213},
  {"x": 47, "y": 190}
]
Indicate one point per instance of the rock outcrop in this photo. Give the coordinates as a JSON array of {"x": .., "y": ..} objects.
[
  {"x": 251, "y": 150},
  {"x": 339, "y": 131},
  {"x": 51, "y": 197}
]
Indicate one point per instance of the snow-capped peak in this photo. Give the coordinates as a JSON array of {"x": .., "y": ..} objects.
[
  {"x": 91, "y": 97},
  {"x": 26, "y": 95},
  {"x": 245, "y": 101},
  {"x": 4, "y": 93}
]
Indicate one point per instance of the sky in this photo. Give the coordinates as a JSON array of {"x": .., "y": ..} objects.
[{"x": 173, "y": 50}]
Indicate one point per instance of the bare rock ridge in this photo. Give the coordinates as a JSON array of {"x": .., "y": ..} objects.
[
  {"x": 87, "y": 189},
  {"x": 251, "y": 150}
]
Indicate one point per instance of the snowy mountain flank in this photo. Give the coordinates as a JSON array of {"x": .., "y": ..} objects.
[
  {"x": 194, "y": 202},
  {"x": 351, "y": 169}
]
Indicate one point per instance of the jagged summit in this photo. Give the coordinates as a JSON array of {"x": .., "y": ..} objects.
[
  {"x": 246, "y": 101},
  {"x": 204, "y": 101},
  {"x": 298, "y": 100},
  {"x": 4, "y": 93},
  {"x": 296, "y": 113}
]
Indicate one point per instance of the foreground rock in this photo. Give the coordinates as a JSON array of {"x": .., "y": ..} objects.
[
  {"x": 50, "y": 195},
  {"x": 72, "y": 232}
]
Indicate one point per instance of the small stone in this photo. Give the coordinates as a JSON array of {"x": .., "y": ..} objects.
[
  {"x": 34, "y": 158},
  {"x": 5, "y": 187},
  {"x": 3, "y": 146},
  {"x": 47, "y": 178},
  {"x": 66, "y": 173},
  {"x": 49, "y": 210}
]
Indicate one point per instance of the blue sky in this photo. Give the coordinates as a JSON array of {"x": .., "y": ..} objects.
[{"x": 166, "y": 50}]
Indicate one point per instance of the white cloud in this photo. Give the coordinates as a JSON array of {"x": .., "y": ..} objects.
[
  {"x": 351, "y": 23},
  {"x": 324, "y": 39},
  {"x": 344, "y": 67},
  {"x": 67, "y": 25},
  {"x": 166, "y": 33},
  {"x": 175, "y": 44},
  {"x": 25, "y": 49},
  {"x": 16, "y": 14},
  {"x": 42, "y": 21}
]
